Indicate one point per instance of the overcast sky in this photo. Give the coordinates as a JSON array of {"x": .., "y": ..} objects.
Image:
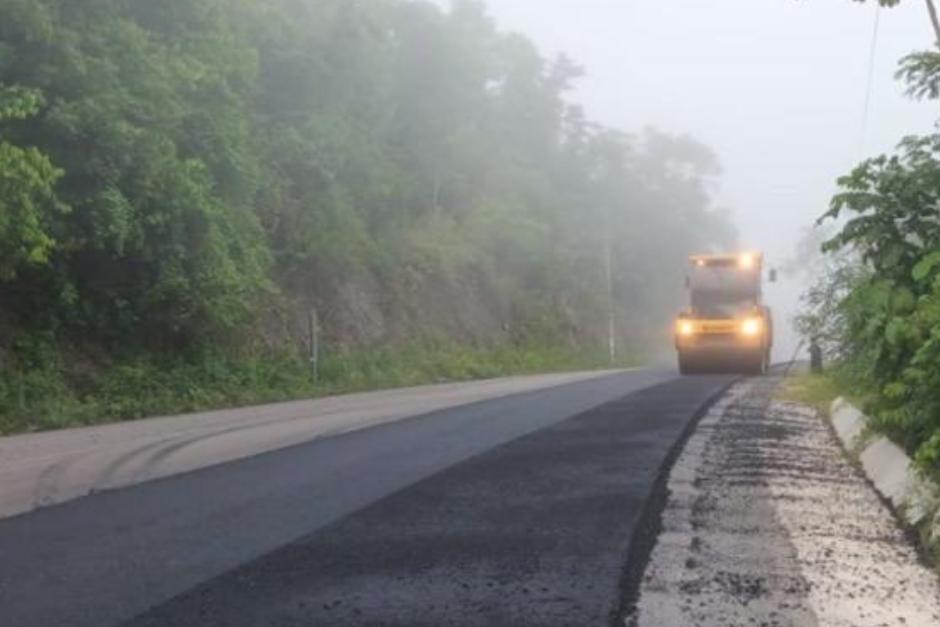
[{"x": 775, "y": 87}]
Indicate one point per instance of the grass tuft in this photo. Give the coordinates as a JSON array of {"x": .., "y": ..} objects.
[{"x": 815, "y": 390}]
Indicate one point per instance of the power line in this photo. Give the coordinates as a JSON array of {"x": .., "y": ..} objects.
[{"x": 871, "y": 81}]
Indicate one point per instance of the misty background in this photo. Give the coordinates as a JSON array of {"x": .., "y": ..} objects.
[
  {"x": 227, "y": 202},
  {"x": 776, "y": 88}
]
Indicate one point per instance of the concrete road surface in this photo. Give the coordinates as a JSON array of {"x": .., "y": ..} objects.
[{"x": 470, "y": 512}]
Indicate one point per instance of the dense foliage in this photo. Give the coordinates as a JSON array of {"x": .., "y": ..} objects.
[
  {"x": 183, "y": 176},
  {"x": 891, "y": 313},
  {"x": 27, "y": 197},
  {"x": 878, "y": 306}
]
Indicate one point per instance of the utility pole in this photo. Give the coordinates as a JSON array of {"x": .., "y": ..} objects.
[
  {"x": 611, "y": 329},
  {"x": 313, "y": 330},
  {"x": 871, "y": 81}
]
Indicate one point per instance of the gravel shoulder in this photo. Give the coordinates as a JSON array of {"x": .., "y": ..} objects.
[{"x": 767, "y": 523}]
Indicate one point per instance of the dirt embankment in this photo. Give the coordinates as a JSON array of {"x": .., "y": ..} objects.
[{"x": 466, "y": 309}]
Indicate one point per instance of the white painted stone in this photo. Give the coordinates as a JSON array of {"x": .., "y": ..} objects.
[
  {"x": 889, "y": 469},
  {"x": 935, "y": 528},
  {"x": 848, "y": 422},
  {"x": 922, "y": 502}
]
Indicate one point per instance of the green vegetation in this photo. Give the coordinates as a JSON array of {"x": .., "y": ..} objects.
[
  {"x": 182, "y": 182},
  {"x": 877, "y": 307},
  {"x": 816, "y": 390},
  {"x": 819, "y": 390},
  {"x": 27, "y": 197}
]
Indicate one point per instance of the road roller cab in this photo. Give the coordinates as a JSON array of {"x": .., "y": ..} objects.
[{"x": 726, "y": 327}]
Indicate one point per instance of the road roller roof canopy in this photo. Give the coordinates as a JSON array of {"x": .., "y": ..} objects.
[{"x": 733, "y": 274}]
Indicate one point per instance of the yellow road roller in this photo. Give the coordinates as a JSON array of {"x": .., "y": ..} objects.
[{"x": 726, "y": 327}]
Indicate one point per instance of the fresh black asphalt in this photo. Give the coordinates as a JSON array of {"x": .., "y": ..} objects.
[
  {"x": 533, "y": 532},
  {"x": 100, "y": 560}
]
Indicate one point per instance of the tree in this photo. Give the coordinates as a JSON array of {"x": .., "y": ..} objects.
[
  {"x": 28, "y": 203},
  {"x": 885, "y": 311},
  {"x": 219, "y": 156},
  {"x": 931, "y": 11}
]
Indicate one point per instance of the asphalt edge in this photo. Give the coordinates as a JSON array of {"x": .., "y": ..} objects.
[
  {"x": 914, "y": 498},
  {"x": 424, "y": 415},
  {"x": 650, "y": 522}
]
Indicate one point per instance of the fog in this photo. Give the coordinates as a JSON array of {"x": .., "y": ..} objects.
[
  {"x": 409, "y": 177},
  {"x": 775, "y": 87}
]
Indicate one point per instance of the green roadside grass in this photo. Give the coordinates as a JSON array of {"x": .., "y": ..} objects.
[
  {"x": 815, "y": 390},
  {"x": 56, "y": 394}
]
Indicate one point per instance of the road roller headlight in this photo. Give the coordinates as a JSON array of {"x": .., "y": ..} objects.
[{"x": 751, "y": 327}]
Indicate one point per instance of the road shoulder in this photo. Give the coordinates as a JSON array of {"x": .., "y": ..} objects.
[{"x": 767, "y": 522}]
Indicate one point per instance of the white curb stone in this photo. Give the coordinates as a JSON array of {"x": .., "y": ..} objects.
[
  {"x": 888, "y": 467},
  {"x": 848, "y": 422}
]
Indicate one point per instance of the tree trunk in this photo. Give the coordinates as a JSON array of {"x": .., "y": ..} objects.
[{"x": 932, "y": 9}]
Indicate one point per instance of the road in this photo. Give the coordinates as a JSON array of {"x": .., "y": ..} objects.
[
  {"x": 767, "y": 523},
  {"x": 43, "y": 469},
  {"x": 513, "y": 505}
]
